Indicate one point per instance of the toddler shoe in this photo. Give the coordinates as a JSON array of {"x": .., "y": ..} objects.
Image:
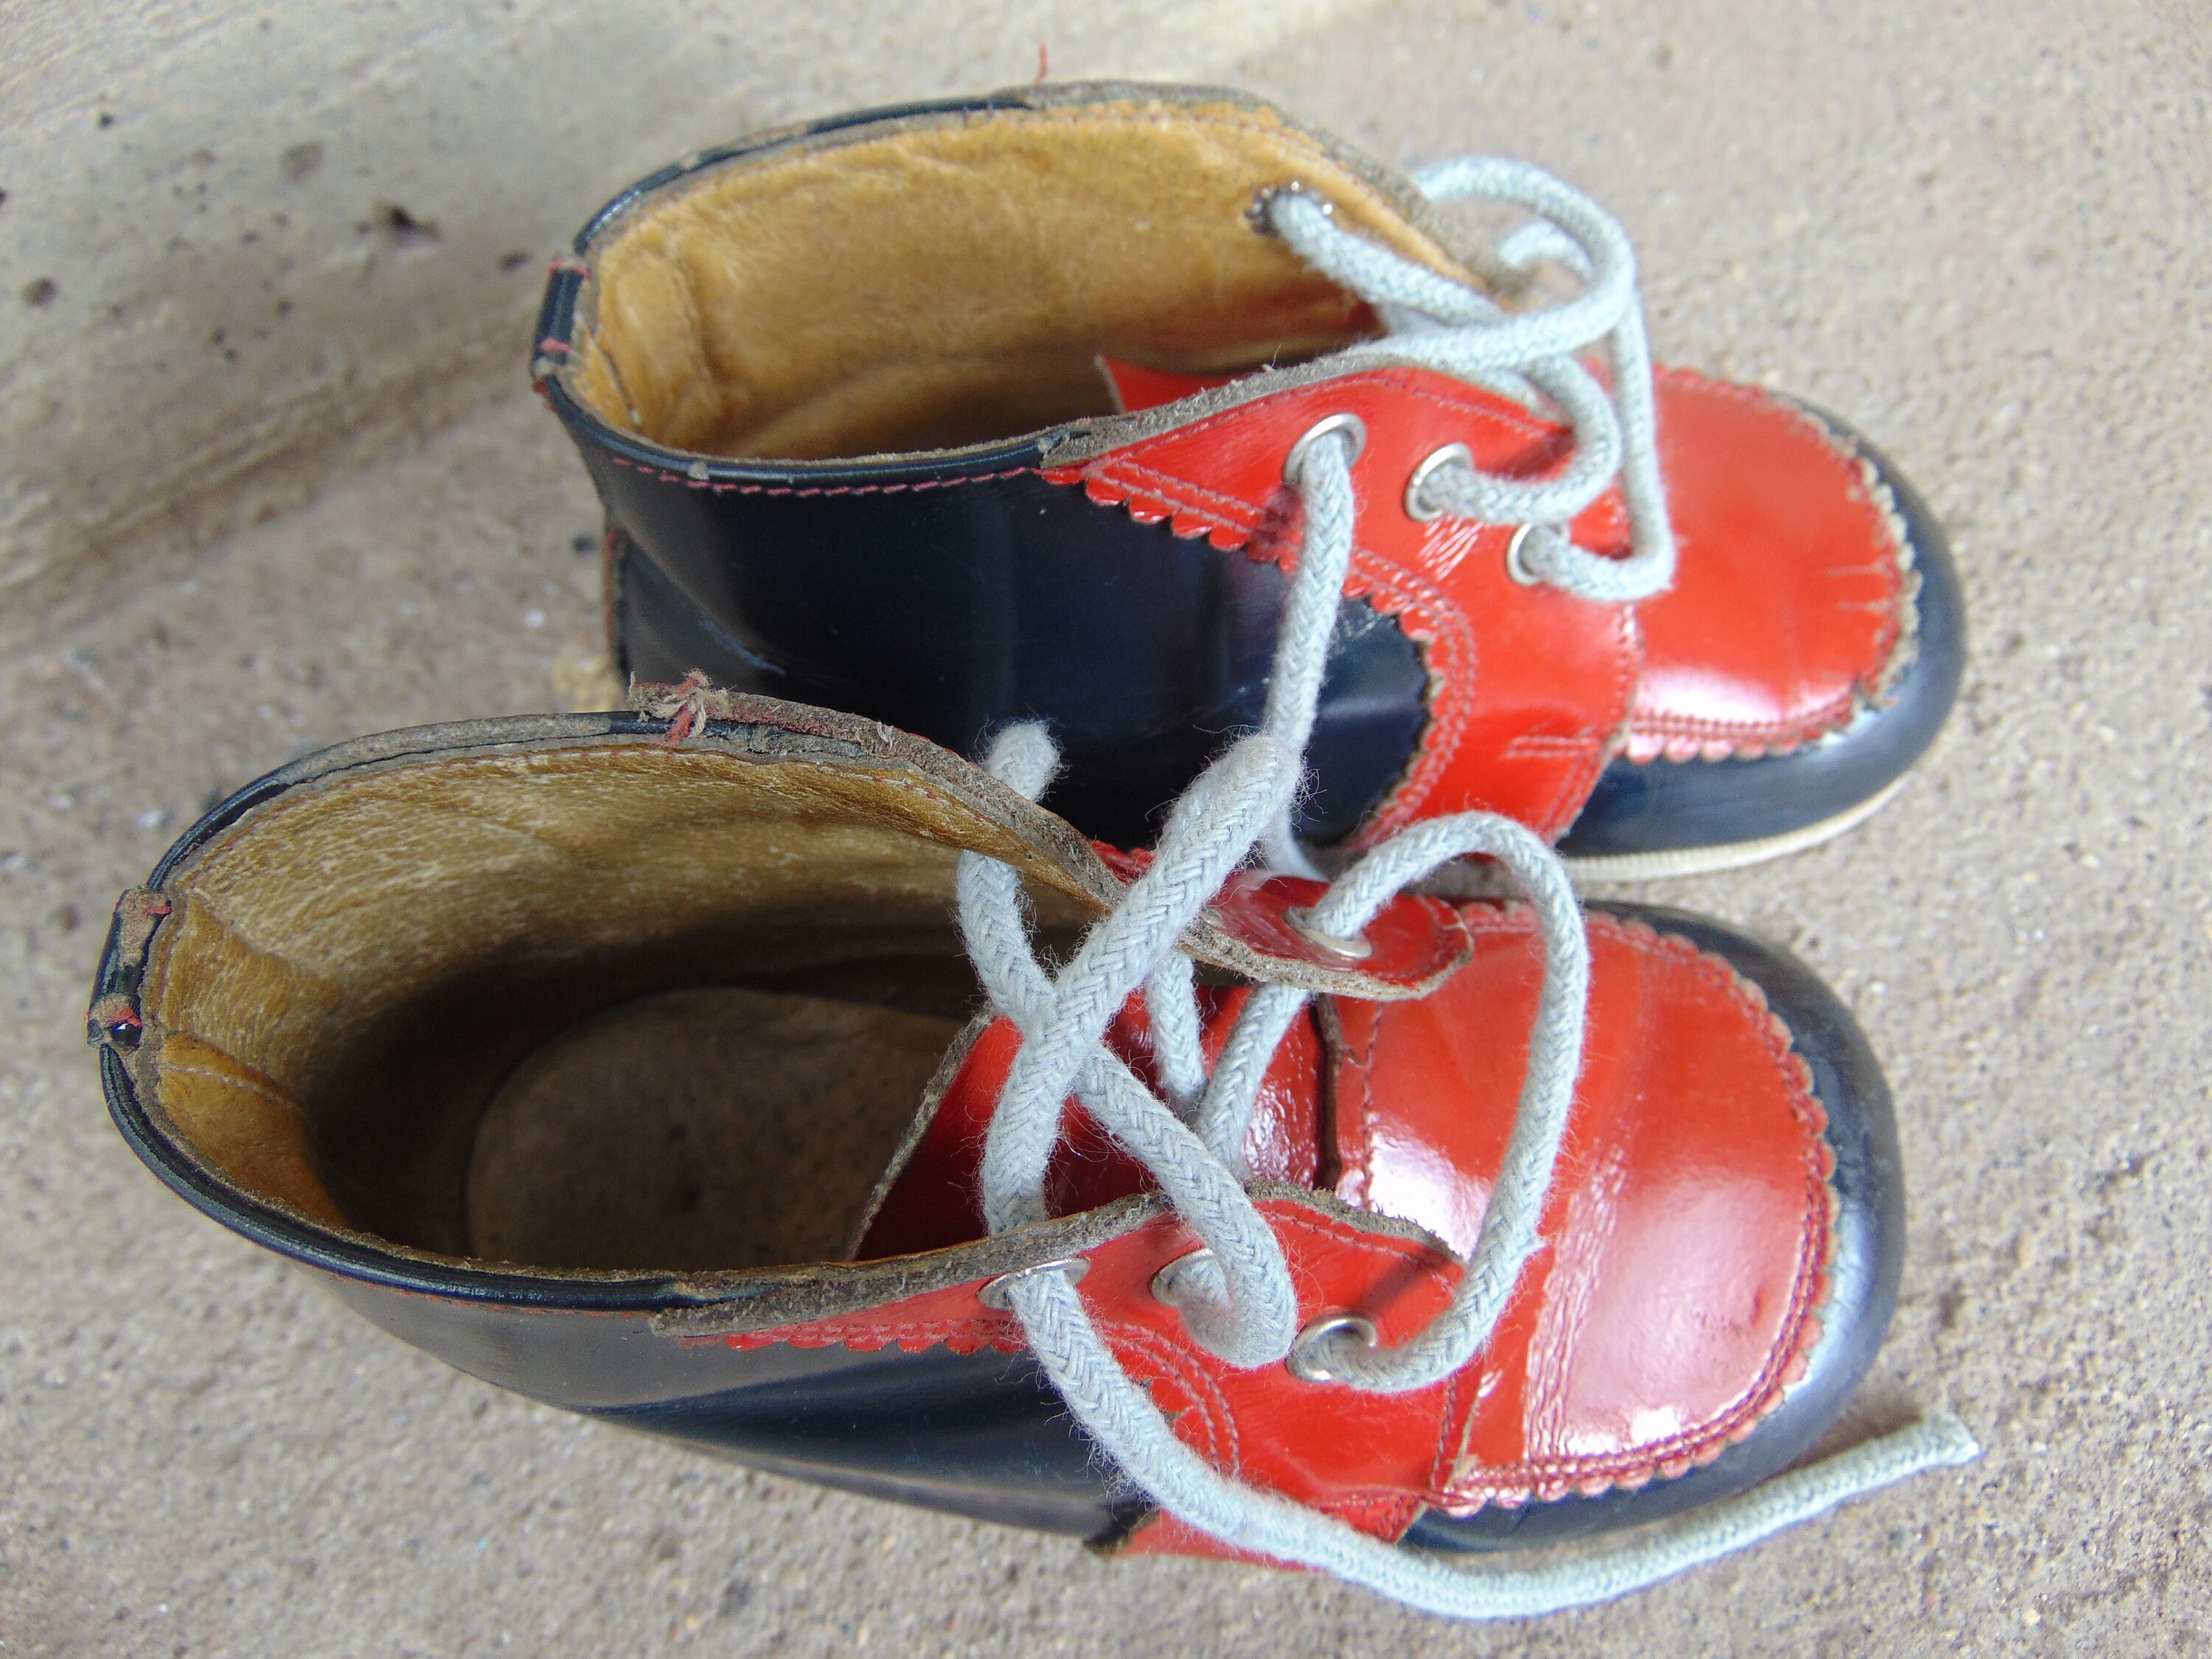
[
  {"x": 1356, "y": 1229},
  {"x": 966, "y": 413}
]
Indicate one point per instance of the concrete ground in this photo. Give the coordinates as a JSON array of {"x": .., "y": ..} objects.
[{"x": 1978, "y": 235}]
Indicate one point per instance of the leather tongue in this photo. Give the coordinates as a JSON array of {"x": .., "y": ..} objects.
[{"x": 1136, "y": 387}]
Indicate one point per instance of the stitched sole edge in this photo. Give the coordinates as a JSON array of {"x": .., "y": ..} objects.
[{"x": 1725, "y": 855}]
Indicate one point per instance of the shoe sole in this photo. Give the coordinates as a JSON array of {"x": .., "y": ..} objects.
[{"x": 1725, "y": 855}]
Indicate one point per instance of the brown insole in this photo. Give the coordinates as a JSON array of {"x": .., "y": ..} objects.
[{"x": 701, "y": 1129}]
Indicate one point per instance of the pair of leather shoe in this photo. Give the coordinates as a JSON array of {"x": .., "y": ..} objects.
[{"x": 684, "y": 1066}]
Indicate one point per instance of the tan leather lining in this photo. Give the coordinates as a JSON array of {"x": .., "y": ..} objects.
[
  {"x": 244, "y": 1123},
  {"x": 942, "y": 280},
  {"x": 348, "y": 974},
  {"x": 340, "y": 983}
]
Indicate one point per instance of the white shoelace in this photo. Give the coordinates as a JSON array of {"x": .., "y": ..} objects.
[
  {"x": 1527, "y": 356},
  {"x": 1235, "y": 1295}
]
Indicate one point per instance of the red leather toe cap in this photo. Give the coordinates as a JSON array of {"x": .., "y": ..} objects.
[
  {"x": 1687, "y": 1227},
  {"x": 1687, "y": 1235},
  {"x": 1791, "y": 596}
]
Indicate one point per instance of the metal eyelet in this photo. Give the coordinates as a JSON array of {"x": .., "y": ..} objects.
[
  {"x": 1307, "y": 1360},
  {"x": 1164, "y": 1281},
  {"x": 1418, "y": 510},
  {"x": 1352, "y": 947},
  {"x": 1256, "y": 215},
  {"x": 1351, "y": 425},
  {"x": 1516, "y": 563},
  {"x": 994, "y": 1294}
]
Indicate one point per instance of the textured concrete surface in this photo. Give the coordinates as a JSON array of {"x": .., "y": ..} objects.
[
  {"x": 241, "y": 246},
  {"x": 1979, "y": 236}
]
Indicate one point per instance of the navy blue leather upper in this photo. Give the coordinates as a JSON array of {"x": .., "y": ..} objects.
[
  {"x": 951, "y": 594},
  {"x": 954, "y": 611},
  {"x": 983, "y": 1434}
]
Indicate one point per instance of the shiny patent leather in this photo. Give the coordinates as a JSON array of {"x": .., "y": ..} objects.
[
  {"x": 925, "y": 1397},
  {"x": 1663, "y": 805},
  {"x": 1865, "y": 1266},
  {"x": 1004, "y": 594},
  {"x": 1120, "y": 578},
  {"x": 1725, "y": 1194}
]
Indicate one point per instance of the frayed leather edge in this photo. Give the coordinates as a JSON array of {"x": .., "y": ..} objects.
[
  {"x": 777, "y": 1303},
  {"x": 761, "y": 1307},
  {"x": 698, "y": 712}
]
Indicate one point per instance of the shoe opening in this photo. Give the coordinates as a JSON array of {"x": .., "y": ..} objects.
[
  {"x": 605, "y": 1006},
  {"x": 950, "y": 278}
]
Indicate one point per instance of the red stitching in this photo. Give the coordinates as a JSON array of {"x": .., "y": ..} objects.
[
  {"x": 1121, "y": 461},
  {"x": 1835, "y": 713},
  {"x": 1526, "y": 1479},
  {"x": 838, "y": 1332},
  {"x": 1754, "y": 737},
  {"x": 1451, "y": 1433},
  {"x": 1183, "y": 1369},
  {"x": 1343, "y": 1232}
]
